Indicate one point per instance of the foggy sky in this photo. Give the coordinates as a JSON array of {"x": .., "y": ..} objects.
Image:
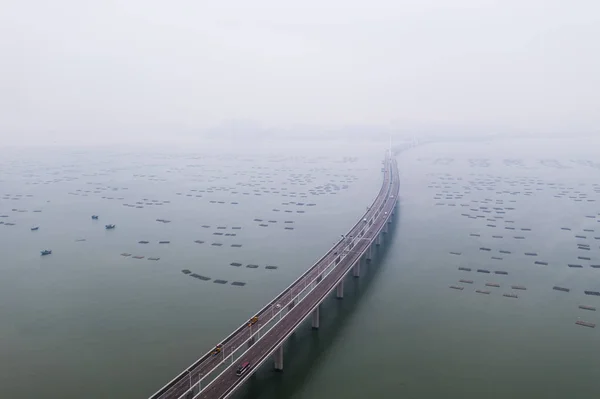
[{"x": 81, "y": 69}]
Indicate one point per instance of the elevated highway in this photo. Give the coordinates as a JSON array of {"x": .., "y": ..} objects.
[{"x": 214, "y": 374}]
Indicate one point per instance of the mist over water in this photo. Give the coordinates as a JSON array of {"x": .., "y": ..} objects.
[
  {"x": 403, "y": 332},
  {"x": 233, "y": 142},
  {"x": 86, "y": 315}
]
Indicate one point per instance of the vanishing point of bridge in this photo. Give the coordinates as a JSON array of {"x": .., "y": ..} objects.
[{"x": 214, "y": 374}]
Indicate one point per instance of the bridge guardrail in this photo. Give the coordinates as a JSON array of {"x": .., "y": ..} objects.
[{"x": 186, "y": 373}]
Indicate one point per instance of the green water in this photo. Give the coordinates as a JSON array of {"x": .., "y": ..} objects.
[
  {"x": 401, "y": 332},
  {"x": 87, "y": 322}
]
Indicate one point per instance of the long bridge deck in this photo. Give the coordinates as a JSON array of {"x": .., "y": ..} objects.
[{"x": 213, "y": 376}]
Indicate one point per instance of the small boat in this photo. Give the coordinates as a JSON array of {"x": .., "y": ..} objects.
[
  {"x": 587, "y": 307},
  {"x": 46, "y": 252},
  {"x": 95, "y": 217},
  {"x": 34, "y": 228},
  {"x": 109, "y": 226}
]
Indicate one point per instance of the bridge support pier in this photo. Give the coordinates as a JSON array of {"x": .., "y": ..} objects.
[
  {"x": 356, "y": 268},
  {"x": 369, "y": 253},
  {"x": 378, "y": 240},
  {"x": 385, "y": 228},
  {"x": 315, "y": 317},
  {"x": 339, "y": 292},
  {"x": 278, "y": 358}
]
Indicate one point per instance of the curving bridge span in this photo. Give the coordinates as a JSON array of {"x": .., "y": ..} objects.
[{"x": 214, "y": 374}]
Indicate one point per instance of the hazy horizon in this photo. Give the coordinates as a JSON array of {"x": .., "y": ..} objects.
[{"x": 105, "y": 72}]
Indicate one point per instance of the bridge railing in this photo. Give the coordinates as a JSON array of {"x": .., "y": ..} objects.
[
  {"x": 310, "y": 287},
  {"x": 263, "y": 330},
  {"x": 185, "y": 375},
  {"x": 300, "y": 320}
]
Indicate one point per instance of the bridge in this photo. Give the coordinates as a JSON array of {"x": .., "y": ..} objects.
[{"x": 214, "y": 375}]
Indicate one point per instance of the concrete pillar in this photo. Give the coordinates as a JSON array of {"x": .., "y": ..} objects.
[
  {"x": 339, "y": 294},
  {"x": 385, "y": 228},
  {"x": 315, "y": 317},
  {"x": 378, "y": 240},
  {"x": 369, "y": 253},
  {"x": 356, "y": 269},
  {"x": 278, "y": 358}
]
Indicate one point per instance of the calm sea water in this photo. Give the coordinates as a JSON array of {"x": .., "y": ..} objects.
[
  {"x": 403, "y": 333},
  {"x": 88, "y": 322}
]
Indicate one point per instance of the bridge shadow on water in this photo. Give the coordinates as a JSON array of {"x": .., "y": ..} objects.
[{"x": 306, "y": 346}]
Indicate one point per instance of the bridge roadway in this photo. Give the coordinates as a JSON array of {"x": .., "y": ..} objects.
[
  {"x": 208, "y": 363},
  {"x": 227, "y": 382}
]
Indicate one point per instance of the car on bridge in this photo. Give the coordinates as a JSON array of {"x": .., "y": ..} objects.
[
  {"x": 217, "y": 350},
  {"x": 252, "y": 321},
  {"x": 242, "y": 369}
]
